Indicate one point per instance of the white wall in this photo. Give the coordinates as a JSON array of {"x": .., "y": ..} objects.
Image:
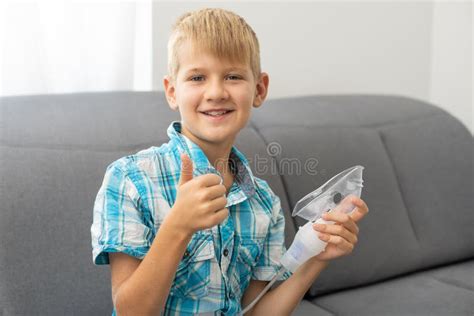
[
  {"x": 451, "y": 59},
  {"x": 416, "y": 49}
]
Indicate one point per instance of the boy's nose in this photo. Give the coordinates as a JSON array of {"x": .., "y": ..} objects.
[{"x": 216, "y": 91}]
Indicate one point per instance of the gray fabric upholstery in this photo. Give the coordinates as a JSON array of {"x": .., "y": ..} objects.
[
  {"x": 415, "y": 248},
  {"x": 443, "y": 291}
]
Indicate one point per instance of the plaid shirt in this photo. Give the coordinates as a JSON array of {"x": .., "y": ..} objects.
[{"x": 139, "y": 190}]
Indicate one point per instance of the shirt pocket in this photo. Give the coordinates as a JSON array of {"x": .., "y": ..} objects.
[
  {"x": 247, "y": 258},
  {"x": 192, "y": 276}
]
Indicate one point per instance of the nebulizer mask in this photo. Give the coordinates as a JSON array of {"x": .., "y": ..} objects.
[{"x": 327, "y": 198}]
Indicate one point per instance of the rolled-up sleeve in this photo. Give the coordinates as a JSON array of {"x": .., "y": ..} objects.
[
  {"x": 274, "y": 247},
  {"x": 118, "y": 224}
]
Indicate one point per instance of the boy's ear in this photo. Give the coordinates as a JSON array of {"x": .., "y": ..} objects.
[
  {"x": 170, "y": 92},
  {"x": 261, "y": 89}
]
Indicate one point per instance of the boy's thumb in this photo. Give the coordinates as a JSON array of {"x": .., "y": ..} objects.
[{"x": 186, "y": 169}]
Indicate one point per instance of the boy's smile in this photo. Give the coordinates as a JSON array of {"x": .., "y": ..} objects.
[{"x": 213, "y": 95}]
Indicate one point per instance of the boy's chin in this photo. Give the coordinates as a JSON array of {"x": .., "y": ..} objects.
[
  {"x": 215, "y": 134},
  {"x": 217, "y": 138},
  {"x": 218, "y": 135}
]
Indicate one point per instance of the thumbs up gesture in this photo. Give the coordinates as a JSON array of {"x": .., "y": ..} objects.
[{"x": 200, "y": 202}]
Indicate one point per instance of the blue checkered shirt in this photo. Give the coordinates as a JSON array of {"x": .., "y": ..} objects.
[{"x": 139, "y": 190}]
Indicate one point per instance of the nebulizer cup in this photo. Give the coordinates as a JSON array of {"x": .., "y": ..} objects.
[{"x": 330, "y": 197}]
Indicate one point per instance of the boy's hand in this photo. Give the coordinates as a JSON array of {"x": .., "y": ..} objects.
[
  {"x": 342, "y": 235},
  {"x": 200, "y": 202}
]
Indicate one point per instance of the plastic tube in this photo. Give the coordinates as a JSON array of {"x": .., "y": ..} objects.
[{"x": 269, "y": 285}]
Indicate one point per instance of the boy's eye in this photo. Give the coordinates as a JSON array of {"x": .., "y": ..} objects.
[
  {"x": 196, "y": 78},
  {"x": 233, "y": 77}
]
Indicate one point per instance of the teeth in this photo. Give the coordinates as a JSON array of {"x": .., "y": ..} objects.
[{"x": 216, "y": 113}]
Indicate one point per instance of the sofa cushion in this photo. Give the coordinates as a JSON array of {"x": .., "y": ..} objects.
[
  {"x": 45, "y": 247},
  {"x": 433, "y": 162},
  {"x": 306, "y": 308},
  {"x": 443, "y": 291}
]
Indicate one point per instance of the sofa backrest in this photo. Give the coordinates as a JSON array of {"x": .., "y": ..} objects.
[{"x": 55, "y": 148}]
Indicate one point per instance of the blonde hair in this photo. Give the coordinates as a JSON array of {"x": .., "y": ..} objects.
[{"x": 219, "y": 32}]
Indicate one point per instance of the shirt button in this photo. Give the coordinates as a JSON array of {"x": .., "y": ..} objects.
[
  {"x": 186, "y": 253},
  {"x": 226, "y": 252},
  {"x": 231, "y": 295}
]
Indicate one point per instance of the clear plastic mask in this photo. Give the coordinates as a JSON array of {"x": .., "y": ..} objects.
[{"x": 327, "y": 197}]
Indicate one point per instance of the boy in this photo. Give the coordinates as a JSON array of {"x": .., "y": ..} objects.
[{"x": 186, "y": 227}]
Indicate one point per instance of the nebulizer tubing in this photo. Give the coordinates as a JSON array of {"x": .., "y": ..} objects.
[
  {"x": 269, "y": 285},
  {"x": 327, "y": 198}
]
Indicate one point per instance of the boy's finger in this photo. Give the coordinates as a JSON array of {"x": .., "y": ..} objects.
[
  {"x": 343, "y": 219},
  {"x": 209, "y": 179},
  {"x": 338, "y": 241},
  {"x": 216, "y": 191},
  {"x": 186, "y": 169},
  {"x": 337, "y": 230},
  {"x": 361, "y": 209},
  {"x": 220, "y": 215}
]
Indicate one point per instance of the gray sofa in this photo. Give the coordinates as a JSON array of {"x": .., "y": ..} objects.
[{"x": 416, "y": 247}]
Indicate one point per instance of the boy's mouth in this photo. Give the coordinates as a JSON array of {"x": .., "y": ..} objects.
[{"x": 217, "y": 114}]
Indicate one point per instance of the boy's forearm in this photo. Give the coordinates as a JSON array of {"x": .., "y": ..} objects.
[
  {"x": 284, "y": 299},
  {"x": 146, "y": 290}
]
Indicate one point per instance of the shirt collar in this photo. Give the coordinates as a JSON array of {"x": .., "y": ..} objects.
[{"x": 239, "y": 163}]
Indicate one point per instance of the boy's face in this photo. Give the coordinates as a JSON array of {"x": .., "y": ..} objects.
[{"x": 205, "y": 83}]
